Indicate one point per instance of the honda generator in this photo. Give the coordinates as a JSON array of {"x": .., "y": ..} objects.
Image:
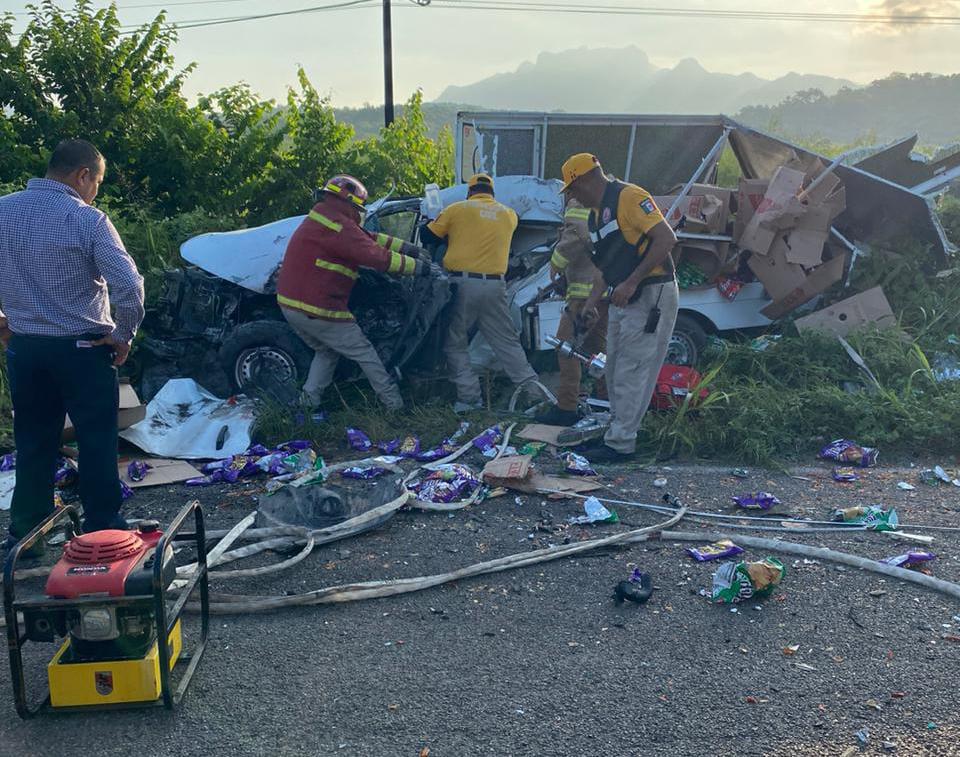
[{"x": 107, "y": 602}]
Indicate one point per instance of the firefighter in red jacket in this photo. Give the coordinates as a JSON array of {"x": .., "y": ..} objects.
[{"x": 319, "y": 270}]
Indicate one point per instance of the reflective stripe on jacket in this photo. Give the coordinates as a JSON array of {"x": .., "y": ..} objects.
[{"x": 322, "y": 262}]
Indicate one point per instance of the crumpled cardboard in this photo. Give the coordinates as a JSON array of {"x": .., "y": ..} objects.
[
  {"x": 749, "y": 196},
  {"x": 706, "y": 207},
  {"x": 820, "y": 279},
  {"x": 778, "y": 210},
  {"x": 517, "y": 473},
  {"x": 867, "y": 308}
]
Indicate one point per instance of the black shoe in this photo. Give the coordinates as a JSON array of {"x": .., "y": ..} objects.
[
  {"x": 557, "y": 416},
  {"x": 608, "y": 455}
]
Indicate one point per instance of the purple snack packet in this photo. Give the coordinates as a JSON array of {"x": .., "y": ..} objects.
[
  {"x": 362, "y": 474},
  {"x": 576, "y": 464},
  {"x": 66, "y": 475},
  {"x": 389, "y": 447},
  {"x": 294, "y": 445},
  {"x": 257, "y": 450},
  {"x": 487, "y": 439},
  {"x": 410, "y": 447},
  {"x": 125, "y": 491},
  {"x": 137, "y": 470},
  {"x": 8, "y": 461},
  {"x": 437, "y": 453},
  {"x": 449, "y": 484},
  {"x": 846, "y": 451},
  {"x": 910, "y": 559},
  {"x": 758, "y": 501},
  {"x": 213, "y": 478},
  {"x": 358, "y": 440},
  {"x": 716, "y": 551},
  {"x": 845, "y": 474}
]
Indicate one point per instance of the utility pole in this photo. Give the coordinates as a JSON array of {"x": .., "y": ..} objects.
[{"x": 387, "y": 65}]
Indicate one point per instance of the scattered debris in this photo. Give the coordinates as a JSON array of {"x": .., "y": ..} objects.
[
  {"x": 873, "y": 517},
  {"x": 846, "y": 451},
  {"x": 791, "y": 650},
  {"x": 867, "y": 308},
  {"x": 637, "y": 589},
  {"x": 735, "y": 582},
  {"x": 716, "y": 551},
  {"x": 910, "y": 560},
  {"x": 904, "y": 486},
  {"x": 576, "y": 464},
  {"x": 660, "y": 483},
  {"x": 594, "y": 512},
  {"x": 758, "y": 501},
  {"x": 845, "y": 475}
]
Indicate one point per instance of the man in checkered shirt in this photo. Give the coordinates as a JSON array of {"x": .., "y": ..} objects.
[{"x": 58, "y": 256}]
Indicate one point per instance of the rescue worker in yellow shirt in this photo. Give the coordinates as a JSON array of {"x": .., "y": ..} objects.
[
  {"x": 631, "y": 250},
  {"x": 571, "y": 259},
  {"x": 478, "y": 232}
]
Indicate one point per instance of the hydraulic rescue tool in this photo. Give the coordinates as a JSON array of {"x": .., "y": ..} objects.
[{"x": 108, "y": 598}]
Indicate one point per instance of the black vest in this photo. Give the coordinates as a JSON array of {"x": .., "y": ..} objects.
[{"x": 616, "y": 258}]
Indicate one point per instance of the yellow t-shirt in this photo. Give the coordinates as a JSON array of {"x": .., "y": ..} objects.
[
  {"x": 478, "y": 232},
  {"x": 637, "y": 213}
]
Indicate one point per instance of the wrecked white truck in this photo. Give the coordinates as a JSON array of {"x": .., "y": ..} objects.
[{"x": 220, "y": 304}]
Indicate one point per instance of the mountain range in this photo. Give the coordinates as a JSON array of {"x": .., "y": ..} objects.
[{"x": 625, "y": 81}]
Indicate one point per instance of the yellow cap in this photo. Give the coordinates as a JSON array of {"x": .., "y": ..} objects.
[
  {"x": 576, "y": 166},
  {"x": 481, "y": 178}
]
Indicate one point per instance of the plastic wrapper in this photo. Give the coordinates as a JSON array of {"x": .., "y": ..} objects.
[
  {"x": 448, "y": 484},
  {"x": 594, "y": 512},
  {"x": 487, "y": 439},
  {"x": 409, "y": 447},
  {"x": 738, "y": 581},
  {"x": 8, "y": 461},
  {"x": 533, "y": 448},
  {"x": 358, "y": 440},
  {"x": 125, "y": 491},
  {"x": 361, "y": 473},
  {"x": 217, "y": 477},
  {"x": 716, "y": 551},
  {"x": 851, "y": 453},
  {"x": 295, "y": 445},
  {"x": 576, "y": 464},
  {"x": 389, "y": 447},
  {"x": 910, "y": 560},
  {"x": 845, "y": 474},
  {"x": 758, "y": 501},
  {"x": 729, "y": 287},
  {"x": 873, "y": 517},
  {"x": 66, "y": 475},
  {"x": 137, "y": 470}
]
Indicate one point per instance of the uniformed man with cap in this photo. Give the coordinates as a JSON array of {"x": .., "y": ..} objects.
[
  {"x": 571, "y": 259},
  {"x": 631, "y": 250},
  {"x": 478, "y": 232}
]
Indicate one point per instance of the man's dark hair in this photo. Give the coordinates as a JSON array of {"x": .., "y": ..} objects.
[
  {"x": 480, "y": 189},
  {"x": 73, "y": 154}
]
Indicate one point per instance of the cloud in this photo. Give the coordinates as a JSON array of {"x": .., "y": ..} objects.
[{"x": 909, "y": 8}]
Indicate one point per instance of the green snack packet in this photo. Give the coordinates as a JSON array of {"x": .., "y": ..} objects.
[
  {"x": 532, "y": 448},
  {"x": 736, "y": 582}
]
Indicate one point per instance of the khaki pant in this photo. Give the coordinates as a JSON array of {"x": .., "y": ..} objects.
[
  {"x": 483, "y": 303},
  {"x": 568, "y": 392},
  {"x": 329, "y": 340},
  {"x": 634, "y": 359}
]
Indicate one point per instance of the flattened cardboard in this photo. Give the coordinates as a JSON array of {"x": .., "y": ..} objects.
[
  {"x": 516, "y": 473},
  {"x": 162, "y": 472},
  {"x": 779, "y": 209},
  {"x": 822, "y": 278},
  {"x": 538, "y": 432},
  {"x": 804, "y": 244},
  {"x": 867, "y": 308},
  {"x": 512, "y": 468}
]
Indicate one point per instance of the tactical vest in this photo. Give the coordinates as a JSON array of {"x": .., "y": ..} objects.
[{"x": 616, "y": 258}]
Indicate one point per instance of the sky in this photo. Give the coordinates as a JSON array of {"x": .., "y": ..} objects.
[{"x": 434, "y": 46}]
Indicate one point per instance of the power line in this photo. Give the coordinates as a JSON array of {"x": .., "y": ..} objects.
[{"x": 532, "y": 6}]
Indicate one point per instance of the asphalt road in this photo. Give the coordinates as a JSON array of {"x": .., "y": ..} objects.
[{"x": 539, "y": 661}]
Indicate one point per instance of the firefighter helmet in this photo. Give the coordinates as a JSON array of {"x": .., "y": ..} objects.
[{"x": 347, "y": 188}]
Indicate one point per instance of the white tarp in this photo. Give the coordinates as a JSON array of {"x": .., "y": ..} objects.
[
  {"x": 7, "y": 479},
  {"x": 185, "y": 421},
  {"x": 535, "y": 200}
]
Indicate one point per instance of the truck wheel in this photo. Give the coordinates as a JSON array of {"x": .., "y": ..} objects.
[
  {"x": 687, "y": 342},
  {"x": 265, "y": 354}
]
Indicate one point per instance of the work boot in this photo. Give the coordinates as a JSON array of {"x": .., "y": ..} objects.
[
  {"x": 557, "y": 416},
  {"x": 35, "y": 552},
  {"x": 605, "y": 455}
]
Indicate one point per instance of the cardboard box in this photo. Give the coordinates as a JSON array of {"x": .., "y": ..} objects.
[
  {"x": 819, "y": 280},
  {"x": 131, "y": 411},
  {"x": 162, "y": 472},
  {"x": 778, "y": 210},
  {"x": 517, "y": 473},
  {"x": 867, "y": 308},
  {"x": 749, "y": 196},
  {"x": 707, "y": 209},
  {"x": 778, "y": 275}
]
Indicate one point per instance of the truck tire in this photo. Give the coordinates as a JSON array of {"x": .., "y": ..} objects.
[
  {"x": 265, "y": 355},
  {"x": 687, "y": 342}
]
